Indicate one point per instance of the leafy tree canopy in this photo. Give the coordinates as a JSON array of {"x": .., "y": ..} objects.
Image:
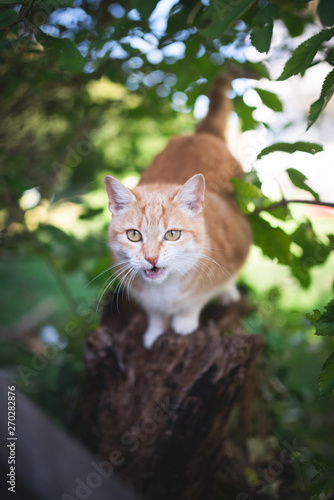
[{"x": 93, "y": 87}]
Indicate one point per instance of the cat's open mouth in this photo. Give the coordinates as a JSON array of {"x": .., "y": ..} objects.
[{"x": 155, "y": 272}]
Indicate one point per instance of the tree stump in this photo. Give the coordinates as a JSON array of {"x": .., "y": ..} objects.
[{"x": 161, "y": 416}]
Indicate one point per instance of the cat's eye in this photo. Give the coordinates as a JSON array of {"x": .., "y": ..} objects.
[
  {"x": 172, "y": 235},
  {"x": 134, "y": 235}
]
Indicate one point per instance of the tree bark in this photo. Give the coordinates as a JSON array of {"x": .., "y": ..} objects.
[{"x": 162, "y": 416}]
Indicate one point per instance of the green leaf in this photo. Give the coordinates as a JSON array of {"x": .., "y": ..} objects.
[
  {"x": 7, "y": 17},
  {"x": 273, "y": 241},
  {"x": 51, "y": 5},
  {"x": 300, "y": 272},
  {"x": 293, "y": 23},
  {"x": 270, "y": 99},
  {"x": 70, "y": 58},
  {"x": 317, "y": 464},
  {"x": 304, "y": 54},
  {"x": 326, "y": 378},
  {"x": 324, "y": 324},
  {"x": 39, "y": 12},
  {"x": 298, "y": 179},
  {"x": 222, "y": 14},
  {"x": 296, "y": 455},
  {"x": 262, "y": 33},
  {"x": 314, "y": 252},
  {"x": 306, "y": 147},
  {"x": 10, "y": 2},
  {"x": 252, "y": 177},
  {"x": 145, "y": 8},
  {"x": 62, "y": 52},
  {"x": 243, "y": 188},
  {"x": 281, "y": 213},
  {"x": 326, "y": 12},
  {"x": 267, "y": 14},
  {"x": 314, "y": 316},
  {"x": 245, "y": 193},
  {"x": 329, "y": 486},
  {"x": 245, "y": 114},
  {"x": 261, "y": 37},
  {"x": 318, "y": 106},
  {"x": 64, "y": 3},
  {"x": 90, "y": 213}
]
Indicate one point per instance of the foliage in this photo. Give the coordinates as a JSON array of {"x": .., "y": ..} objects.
[
  {"x": 327, "y": 92},
  {"x": 288, "y": 403},
  {"x": 324, "y": 326},
  {"x": 53, "y": 60},
  {"x": 307, "y": 147},
  {"x": 321, "y": 484},
  {"x": 298, "y": 179},
  {"x": 96, "y": 87},
  {"x": 303, "y": 56},
  {"x": 261, "y": 35}
]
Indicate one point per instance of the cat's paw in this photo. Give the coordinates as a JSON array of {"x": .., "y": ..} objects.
[
  {"x": 183, "y": 325},
  {"x": 150, "y": 336},
  {"x": 230, "y": 295},
  {"x": 157, "y": 324}
]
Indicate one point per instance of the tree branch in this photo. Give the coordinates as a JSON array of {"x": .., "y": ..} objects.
[{"x": 284, "y": 203}]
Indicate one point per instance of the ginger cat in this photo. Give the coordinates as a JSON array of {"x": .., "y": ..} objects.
[{"x": 178, "y": 239}]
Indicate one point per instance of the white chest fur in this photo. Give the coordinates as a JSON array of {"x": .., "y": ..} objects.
[{"x": 162, "y": 298}]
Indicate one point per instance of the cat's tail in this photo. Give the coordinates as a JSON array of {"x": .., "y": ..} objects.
[{"x": 220, "y": 106}]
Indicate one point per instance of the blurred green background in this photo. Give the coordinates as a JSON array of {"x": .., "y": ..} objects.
[{"x": 95, "y": 88}]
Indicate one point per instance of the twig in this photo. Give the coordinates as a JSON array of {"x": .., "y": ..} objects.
[
  {"x": 284, "y": 203},
  {"x": 20, "y": 15}
]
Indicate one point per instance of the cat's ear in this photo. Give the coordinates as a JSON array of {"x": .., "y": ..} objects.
[
  {"x": 119, "y": 196},
  {"x": 191, "y": 195}
]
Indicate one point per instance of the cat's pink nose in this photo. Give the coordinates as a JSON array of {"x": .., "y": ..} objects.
[{"x": 152, "y": 259}]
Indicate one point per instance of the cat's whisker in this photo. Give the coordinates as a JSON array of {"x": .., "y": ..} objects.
[
  {"x": 197, "y": 269},
  {"x": 121, "y": 282},
  {"x": 107, "y": 269},
  {"x": 109, "y": 281},
  {"x": 115, "y": 294},
  {"x": 119, "y": 285},
  {"x": 131, "y": 279},
  {"x": 195, "y": 258},
  {"x": 180, "y": 269},
  {"x": 200, "y": 263},
  {"x": 116, "y": 274},
  {"x": 125, "y": 282},
  {"x": 134, "y": 274},
  {"x": 223, "y": 269},
  {"x": 198, "y": 266},
  {"x": 198, "y": 260}
]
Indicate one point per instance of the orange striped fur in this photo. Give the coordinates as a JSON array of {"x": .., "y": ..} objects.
[{"x": 186, "y": 189}]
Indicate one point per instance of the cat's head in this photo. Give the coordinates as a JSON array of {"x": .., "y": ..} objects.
[{"x": 156, "y": 230}]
